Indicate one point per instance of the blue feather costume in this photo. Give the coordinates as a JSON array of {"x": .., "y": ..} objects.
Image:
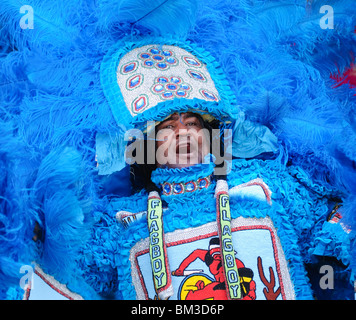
[{"x": 293, "y": 137}]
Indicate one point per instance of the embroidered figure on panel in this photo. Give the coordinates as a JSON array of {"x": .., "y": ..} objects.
[
  {"x": 269, "y": 290},
  {"x": 199, "y": 286}
]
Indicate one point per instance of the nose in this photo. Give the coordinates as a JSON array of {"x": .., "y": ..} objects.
[
  {"x": 180, "y": 125},
  {"x": 181, "y": 130}
]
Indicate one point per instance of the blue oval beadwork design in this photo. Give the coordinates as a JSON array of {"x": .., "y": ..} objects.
[
  {"x": 140, "y": 103},
  {"x": 158, "y": 88},
  {"x": 145, "y": 55},
  {"x": 148, "y": 63},
  {"x": 162, "y": 65},
  {"x": 203, "y": 183},
  {"x": 171, "y": 87},
  {"x": 178, "y": 188},
  {"x": 162, "y": 80},
  {"x": 158, "y": 57},
  {"x": 176, "y": 80},
  {"x": 171, "y": 60},
  {"x": 196, "y": 75},
  {"x": 167, "y": 95},
  {"x": 129, "y": 67},
  {"x": 192, "y": 62},
  {"x": 167, "y": 188},
  {"x": 135, "y": 81},
  {"x": 185, "y": 87},
  {"x": 190, "y": 186},
  {"x": 154, "y": 51},
  {"x": 181, "y": 93},
  {"x": 167, "y": 53},
  {"x": 209, "y": 95}
]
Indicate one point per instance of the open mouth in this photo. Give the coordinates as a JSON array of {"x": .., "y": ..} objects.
[{"x": 183, "y": 148}]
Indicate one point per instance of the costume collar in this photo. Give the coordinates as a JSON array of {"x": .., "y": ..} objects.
[{"x": 173, "y": 181}]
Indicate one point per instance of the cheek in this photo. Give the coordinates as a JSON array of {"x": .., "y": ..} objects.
[
  {"x": 164, "y": 134},
  {"x": 202, "y": 141},
  {"x": 158, "y": 144},
  {"x": 163, "y": 137},
  {"x": 164, "y": 142}
]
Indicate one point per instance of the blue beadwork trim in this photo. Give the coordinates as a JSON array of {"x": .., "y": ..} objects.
[{"x": 190, "y": 186}]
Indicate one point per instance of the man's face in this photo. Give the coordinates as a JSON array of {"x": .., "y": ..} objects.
[{"x": 181, "y": 141}]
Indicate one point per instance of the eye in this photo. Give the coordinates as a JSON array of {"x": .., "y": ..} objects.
[
  {"x": 168, "y": 126},
  {"x": 191, "y": 124}
]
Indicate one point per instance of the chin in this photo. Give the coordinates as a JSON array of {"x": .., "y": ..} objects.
[{"x": 186, "y": 162}]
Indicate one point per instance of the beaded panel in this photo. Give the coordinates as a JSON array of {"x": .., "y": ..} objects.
[
  {"x": 193, "y": 255},
  {"x": 152, "y": 74}
]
